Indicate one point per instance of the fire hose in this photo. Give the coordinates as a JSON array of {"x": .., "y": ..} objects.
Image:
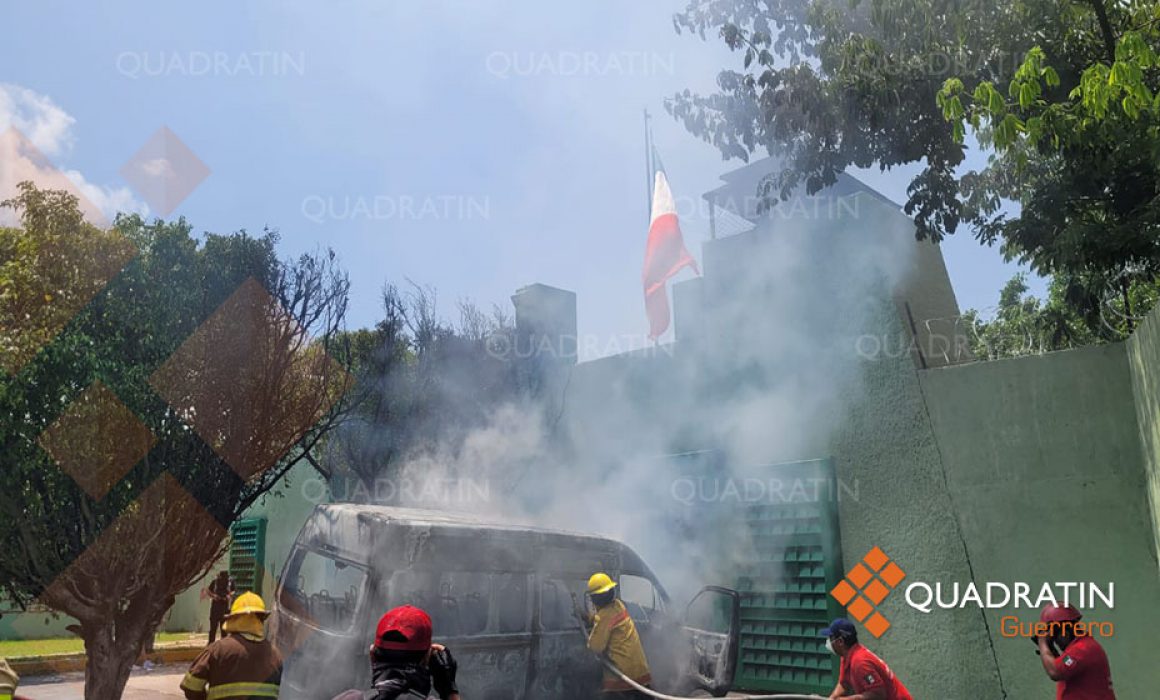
[{"x": 661, "y": 696}]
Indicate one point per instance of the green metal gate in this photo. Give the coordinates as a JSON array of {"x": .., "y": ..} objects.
[
  {"x": 784, "y": 565},
  {"x": 247, "y": 554},
  {"x": 794, "y": 562}
]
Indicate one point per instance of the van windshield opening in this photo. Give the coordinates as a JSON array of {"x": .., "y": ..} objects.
[
  {"x": 640, "y": 597},
  {"x": 322, "y": 590}
]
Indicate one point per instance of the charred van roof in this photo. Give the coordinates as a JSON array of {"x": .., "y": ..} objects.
[{"x": 369, "y": 515}]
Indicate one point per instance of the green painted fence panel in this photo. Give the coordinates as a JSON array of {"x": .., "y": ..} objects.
[
  {"x": 247, "y": 554},
  {"x": 784, "y": 564}
]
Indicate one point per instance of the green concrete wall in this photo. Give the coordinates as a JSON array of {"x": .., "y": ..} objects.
[
  {"x": 33, "y": 625},
  {"x": 885, "y": 444},
  {"x": 1143, "y": 350},
  {"x": 1046, "y": 475}
]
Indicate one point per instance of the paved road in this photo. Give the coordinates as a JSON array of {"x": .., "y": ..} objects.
[{"x": 161, "y": 684}]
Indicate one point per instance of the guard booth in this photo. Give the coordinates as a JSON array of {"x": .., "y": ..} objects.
[{"x": 774, "y": 530}]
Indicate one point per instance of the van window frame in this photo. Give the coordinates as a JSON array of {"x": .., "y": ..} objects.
[
  {"x": 545, "y": 578},
  {"x": 299, "y": 553}
]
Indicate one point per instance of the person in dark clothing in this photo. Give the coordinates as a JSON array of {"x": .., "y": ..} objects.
[
  {"x": 221, "y": 591},
  {"x": 405, "y": 665}
]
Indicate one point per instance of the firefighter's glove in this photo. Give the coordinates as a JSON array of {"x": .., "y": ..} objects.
[{"x": 443, "y": 669}]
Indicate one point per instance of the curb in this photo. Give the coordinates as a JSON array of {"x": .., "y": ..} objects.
[{"x": 30, "y": 666}]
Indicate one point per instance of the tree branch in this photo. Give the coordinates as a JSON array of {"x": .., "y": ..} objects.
[{"x": 1105, "y": 29}]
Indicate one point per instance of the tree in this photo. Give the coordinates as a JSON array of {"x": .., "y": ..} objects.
[
  {"x": 1067, "y": 318},
  {"x": 1023, "y": 325},
  {"x": 162, "y": 386},
  {"x": 826, "y": 85},
  {"x": 421, "y": 386},
  {"x": 1080, "y": 155}
]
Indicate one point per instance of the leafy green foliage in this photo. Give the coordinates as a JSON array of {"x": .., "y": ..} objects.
[
  {"x": 826, "y": 85},
  {"x": 1069, "y": 317},
  {"x": 1065, "y": 95},
  {"x": 115, "y": 557},
  {"x": 1024, "y": 325}
]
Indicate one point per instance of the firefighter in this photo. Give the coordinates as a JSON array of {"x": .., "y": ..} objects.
[
  {"x": 862, "y": 675},
  {"x": 405, "y": 665},
  {"x": 1080, "y": 667},
  {"x": 221, "y": 590},
  {"x": 614, "y": 637},
  {"x": 243, "y": 664},
  {"x": 8, "y": 681}
]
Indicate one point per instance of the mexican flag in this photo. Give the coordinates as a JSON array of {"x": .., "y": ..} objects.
[{"x": 665, "y": 253}]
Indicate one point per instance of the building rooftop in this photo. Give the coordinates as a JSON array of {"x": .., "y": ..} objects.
[{"x": 739, "y": 195}]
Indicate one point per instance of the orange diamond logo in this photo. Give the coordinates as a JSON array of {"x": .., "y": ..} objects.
[
  {"x": 844, "y": 592},
  {"x": 893, "y": 575},
  {"x": 876, "y": 592},
  {"x": 876, "y": 559},
  {"x": 97, "y": 440},
  {"x": 859, "y": 576},
  {"x": 873, "y": 589},
  {"x": 877, "y": 625},
  {"x": 859, "y": 609}
]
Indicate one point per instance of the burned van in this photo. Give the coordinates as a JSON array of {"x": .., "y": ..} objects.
[{"x": 499, "y": 595}]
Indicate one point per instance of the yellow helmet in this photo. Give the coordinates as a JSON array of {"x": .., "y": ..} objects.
[
  {"x": 600, "y": 582},
  {"x": 249, "y": 604}
]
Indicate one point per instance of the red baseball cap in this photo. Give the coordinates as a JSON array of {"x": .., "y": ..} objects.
[{"x": 406, "y": 628}]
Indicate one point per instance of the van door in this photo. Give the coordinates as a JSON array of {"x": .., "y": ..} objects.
[
  {"x": 320, "y": 604},
  {"x": 660, "y": 631},
  {"x": 712, "y": 627},
  {"x": 564, "y": 669},
  {"x": 484, "y": 617}
]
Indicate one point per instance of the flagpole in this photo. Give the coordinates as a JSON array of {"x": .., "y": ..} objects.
[
  {"x": 648, "y": 181},
  {"x": 648, "y": 166}
]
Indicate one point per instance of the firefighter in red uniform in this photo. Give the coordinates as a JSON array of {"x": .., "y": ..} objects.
[
  {"x": 863, "y": 675},
  {"x": 1080, "y": 666},
  {"x": 242, "y": 665}
]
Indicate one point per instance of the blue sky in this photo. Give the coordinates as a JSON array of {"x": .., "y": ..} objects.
[{"x": 510, "y": 131}]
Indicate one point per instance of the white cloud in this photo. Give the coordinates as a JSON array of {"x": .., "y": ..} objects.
[
  {"x": 33, "y": 128},
  {"x": 46, "y": 125},
  {"x": 158, "y": 167}
]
